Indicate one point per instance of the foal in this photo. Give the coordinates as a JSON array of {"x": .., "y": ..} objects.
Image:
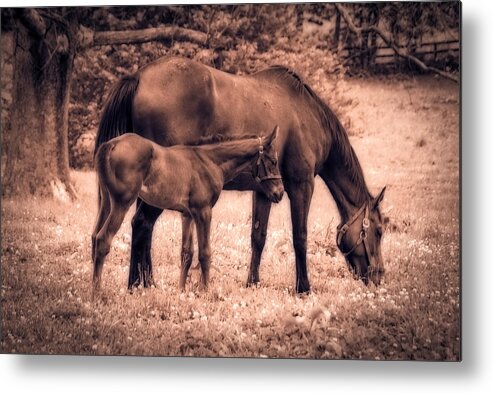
[{"x": 188, "y": 179}]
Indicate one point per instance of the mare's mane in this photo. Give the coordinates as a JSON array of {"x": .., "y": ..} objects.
[{"x": 341, "y": 147}]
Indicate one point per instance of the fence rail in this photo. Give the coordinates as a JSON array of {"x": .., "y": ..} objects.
[{"x": 385, "y": 55}]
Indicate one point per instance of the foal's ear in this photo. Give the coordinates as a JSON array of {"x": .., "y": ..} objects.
[
  {"x": 379, "y": 198},
  {"x": 272, "y": 136}
]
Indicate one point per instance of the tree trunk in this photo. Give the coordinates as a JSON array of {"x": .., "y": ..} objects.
[
  {"x": 37, "y": 143},
  {"x": 337, "y": 32}
]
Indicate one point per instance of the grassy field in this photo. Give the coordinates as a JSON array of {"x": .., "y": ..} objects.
[{"x": 406, "y": 134}]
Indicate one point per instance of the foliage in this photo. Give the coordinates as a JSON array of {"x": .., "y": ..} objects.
[
  {"x": 411, "y": 25},
  {"x": 242, "y": 39},
  {"x": 249, "y": 38},
  {"x": 409, "y": 21}
]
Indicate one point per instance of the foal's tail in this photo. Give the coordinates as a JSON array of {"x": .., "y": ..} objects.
[
  {"x": 106, "y": 175},
  {"x": 116, "y": 118}
]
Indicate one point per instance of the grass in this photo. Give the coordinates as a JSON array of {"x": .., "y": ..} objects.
[{"x": 46, "y": 267}]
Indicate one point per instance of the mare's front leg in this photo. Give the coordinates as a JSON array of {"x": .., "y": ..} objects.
[
  {"x": 140, "y": 258},
  {"x": 300, "y": 196},
  {"x": 186, "y": 248},
  {"x": 203, "y": 223},
  {"x": 260, "y": 219}
]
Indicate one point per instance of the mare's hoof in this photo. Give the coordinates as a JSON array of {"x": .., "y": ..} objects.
[
  {"x": 302, "y": 290},
  {"x": 138, "y": 283},
  {"x": 253, "y": 283}
]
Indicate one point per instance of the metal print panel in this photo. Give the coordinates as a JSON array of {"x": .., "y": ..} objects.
[{"x": 261, "y": 180}]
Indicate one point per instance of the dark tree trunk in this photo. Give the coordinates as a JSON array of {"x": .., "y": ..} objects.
[
  {"x": 374, "y": 19},
  {"x": 36, "y": 144},
  {"x": 337, "y": 32}
]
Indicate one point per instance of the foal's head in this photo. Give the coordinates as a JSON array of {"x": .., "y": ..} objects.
[
  {"x": 265, "y": 168},
  {"x": 359, "y": 241}
]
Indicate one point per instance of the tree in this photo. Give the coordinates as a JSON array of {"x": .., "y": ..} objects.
[
  {"x": 36, "y": 149},
  {"x": 45, "y": 44}
]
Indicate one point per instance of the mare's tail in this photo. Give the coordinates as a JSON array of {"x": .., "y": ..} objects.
[{"x": 116, "y": 118}]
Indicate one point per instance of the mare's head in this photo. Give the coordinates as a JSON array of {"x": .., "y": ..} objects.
[
  {"x": 265, "y": 168},
  {"x": 359, "y": 241}
]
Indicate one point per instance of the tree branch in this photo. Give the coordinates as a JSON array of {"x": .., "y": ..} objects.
[
  {"x": 88, "y": 38},
  {"x": 33, "y": 21},
  {"x": 390, "y": 42}
]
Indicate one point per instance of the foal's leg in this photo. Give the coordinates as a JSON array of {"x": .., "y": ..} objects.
[
  {"x": 203, "y": 224},
  {"x": 260, "y": 219},
  {"x": 186, "y": 248},
  {"x": 105, "y": 237},
  {"x": 103, "y": 212},
  {"x": 300, "y": 196},
  {"x": 140, "y": 258}
]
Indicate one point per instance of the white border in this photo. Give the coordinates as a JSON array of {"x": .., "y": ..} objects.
[{"x": 86, "y": 374}]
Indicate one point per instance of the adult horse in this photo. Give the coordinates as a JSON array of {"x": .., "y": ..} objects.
[{"x": 176, "y": 100}]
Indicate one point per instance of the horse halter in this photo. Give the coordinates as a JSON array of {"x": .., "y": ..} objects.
[
  {"x": 342, "y": 229},
  {"x": 261, "y": 162}
]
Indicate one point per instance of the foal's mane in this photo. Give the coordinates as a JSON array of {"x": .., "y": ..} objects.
[
  {"x": 341, "y": 147},
  {"x": 219, "y": 138}
]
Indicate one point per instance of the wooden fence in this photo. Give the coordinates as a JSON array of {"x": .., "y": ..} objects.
[
  {"x": 372, "y": 52},
  {"x": 383, "y": 55}
]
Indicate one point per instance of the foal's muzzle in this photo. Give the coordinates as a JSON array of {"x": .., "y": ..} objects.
[{"x": 276, "y": 195}]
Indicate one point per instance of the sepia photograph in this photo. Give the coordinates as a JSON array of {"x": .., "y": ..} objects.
[{"x": 268, "y": 181}]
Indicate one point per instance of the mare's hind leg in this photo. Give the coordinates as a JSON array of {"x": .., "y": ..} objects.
[
  {"x": 203, "y": 224},
  {"x": 186, "y": 248},
  {"x": 260, "y": 219},
  {"x": 300, "y": 195},
  {"x": 105, "y": 237},
  {"x": 140, "y": 258}
]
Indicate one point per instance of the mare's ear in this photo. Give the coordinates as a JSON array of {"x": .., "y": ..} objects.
[
  {"x": 272, "y": 136},
  {"x": 379, "y": 198}
]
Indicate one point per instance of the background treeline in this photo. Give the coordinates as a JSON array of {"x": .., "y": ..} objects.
[{"x": 312, "y": 39}]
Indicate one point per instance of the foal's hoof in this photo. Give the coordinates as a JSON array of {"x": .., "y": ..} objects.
[
  {"x": 98, "y": 297},
  {"x": 96, "y": 290}
]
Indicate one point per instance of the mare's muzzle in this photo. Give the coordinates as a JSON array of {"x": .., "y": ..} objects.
[{"x": 369, "y": 268}]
